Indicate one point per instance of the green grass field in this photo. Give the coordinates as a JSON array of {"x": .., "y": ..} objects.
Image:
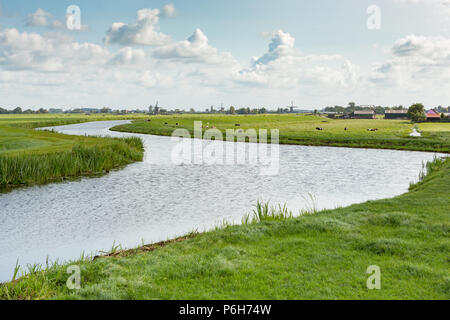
[
  {"x": 301, "y": 129},
  {"x": 30, "y": 157},
  {"x": 317, "y": 256}
]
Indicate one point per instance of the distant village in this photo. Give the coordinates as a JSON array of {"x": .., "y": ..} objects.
[{"x": 352, "y": 111}]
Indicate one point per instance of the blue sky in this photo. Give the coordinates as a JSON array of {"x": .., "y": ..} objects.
[{"x": 330, "y": 36}]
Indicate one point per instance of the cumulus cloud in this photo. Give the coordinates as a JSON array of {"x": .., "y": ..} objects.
[
  {"x": 42, "y": 18},
  {"x": 169, "y": 10},
  {"x": 430, "y": 48},
  {"x": 54, "y": 53},
  {"x": 143, "y": 32},
  {"x": 416, "y": 64},
  {"x": 282, "y": 44},
  {"x": 283, "y": 66},
  {"x": 128, "y": 56},
  {"x": 195, "y": 49}
]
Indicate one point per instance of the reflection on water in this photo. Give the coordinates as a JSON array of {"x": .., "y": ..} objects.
[{"x": 157, "y": 200}]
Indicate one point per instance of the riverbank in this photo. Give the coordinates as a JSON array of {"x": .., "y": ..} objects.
[
  {"x": 31, "y": 157},
  {"x": 323, "y": 255},
  {"x": 302, "y": 130}
]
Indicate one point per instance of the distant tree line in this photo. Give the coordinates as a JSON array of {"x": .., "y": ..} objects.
[{"x": 19, "y": 110}]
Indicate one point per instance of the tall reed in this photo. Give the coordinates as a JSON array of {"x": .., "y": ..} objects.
[
  {"x": 265, "y": 212},
  {"x": 83, "y": 159}
]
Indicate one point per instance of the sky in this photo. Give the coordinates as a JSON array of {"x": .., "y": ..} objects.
[{"x": 202, "y": 53}]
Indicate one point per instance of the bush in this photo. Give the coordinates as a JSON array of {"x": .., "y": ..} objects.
[{"x": 417, "y": 112}]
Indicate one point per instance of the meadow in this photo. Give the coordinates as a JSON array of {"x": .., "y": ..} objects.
[
  {"x": 29, "y": 157},
  {"x": 302, "y": 130},
  {"x": 272, "y": 255}
]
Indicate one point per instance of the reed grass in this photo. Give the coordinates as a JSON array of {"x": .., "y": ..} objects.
[
  {"x": 263, "y": 211},
  {"x": 26, "y": 169}
]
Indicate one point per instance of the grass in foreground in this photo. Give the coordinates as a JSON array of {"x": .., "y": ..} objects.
[
  {"x": 301, "y": 130},
  {"x": 30, "y": 157},
  {"x": 273, "y": 256}
]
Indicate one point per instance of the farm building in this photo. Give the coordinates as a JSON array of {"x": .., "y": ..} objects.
[
  {"x": 433, "y": 115},
  {"x": 396, "y": 114},
  {"x": 366, "y": 114}
]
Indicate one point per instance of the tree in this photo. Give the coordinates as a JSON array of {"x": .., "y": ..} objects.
[
  {"x": 416, "y": 112},
  {"x": 17, "y": 110},
  {"x": 379, "y": 110}
]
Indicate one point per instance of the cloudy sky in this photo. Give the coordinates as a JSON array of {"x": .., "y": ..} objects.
[{"x": 199, "y": 53}]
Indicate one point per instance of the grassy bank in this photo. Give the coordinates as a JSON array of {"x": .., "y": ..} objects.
[
  {"x": 29, "y": 157},
  {"x": 301, "y": 130},
  {"x": 317, "y": 256}
]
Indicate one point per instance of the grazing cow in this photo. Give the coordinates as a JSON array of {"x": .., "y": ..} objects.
[
  {"x": 319, "y": 129},
  {"x": 237, "y": 125},
  {"x": 176, "y": 124},
  {"x": 346, "y": 129},
  {"x": 372, "y": 130},
  {"x": 166, "y": 123}
]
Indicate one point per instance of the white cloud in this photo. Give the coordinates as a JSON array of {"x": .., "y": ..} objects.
[
  {"x": 416, "y": 57},
  {"x": 433, "y": 49},
  {"x": 417, "y": 66},
  {"x": 195, "y": 49},
  {"x": 282, "y": 45},
  {"x": 52, "y": 53},
  {"x": 143, "y": 32},
  {"x": 169, "y": 10},
  {"x": 42, "y": 18},
  {"x": 283, "y": 66},
  {"x": 128, "y": 56}
]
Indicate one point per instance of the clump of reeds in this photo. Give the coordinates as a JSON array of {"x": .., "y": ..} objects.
[
  {"x": 266, "y": 212},
  {"x": 427, "y": 169},
  {"x": 83, "y": 159}
]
